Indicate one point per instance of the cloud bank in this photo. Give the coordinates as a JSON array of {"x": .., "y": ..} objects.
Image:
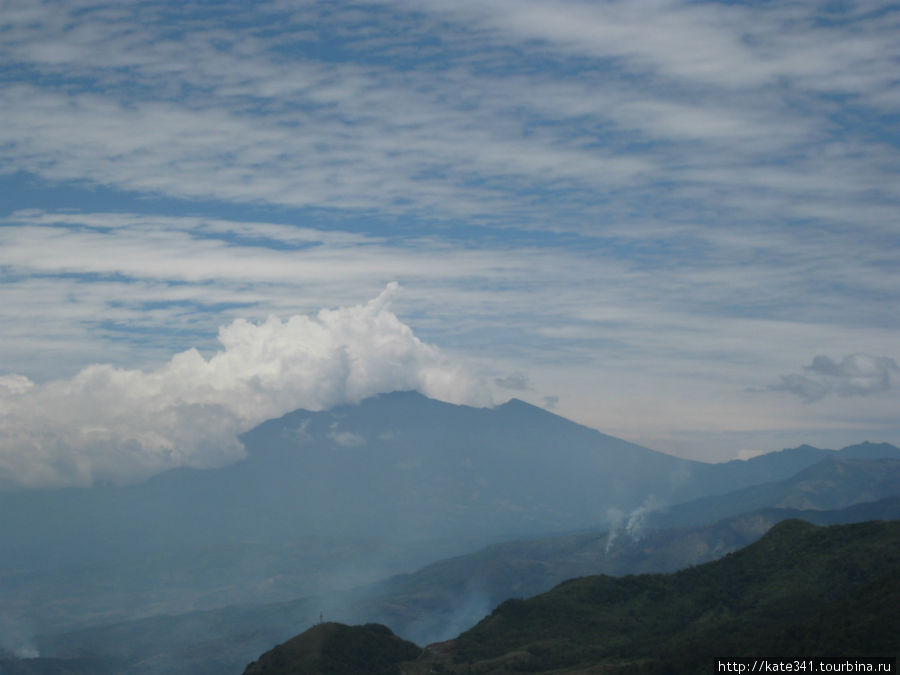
[
  {"x": 108, "y": 424},
  {"x": 854, "y": 375}
]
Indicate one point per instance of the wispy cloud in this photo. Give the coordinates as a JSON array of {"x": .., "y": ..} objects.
[
  {"x": 606, "y": 201},
  {"x": 227, "y": 115}
]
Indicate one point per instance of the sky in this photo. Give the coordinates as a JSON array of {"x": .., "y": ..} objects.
[{"x": 676, "y": 222}]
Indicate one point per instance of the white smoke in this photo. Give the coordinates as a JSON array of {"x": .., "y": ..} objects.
[
  {"x": 633, "y": 525},
  {"x": 614, "y": 518},
  {"x": 114, "y": 425},
  {"x": 16, "y": 639}
]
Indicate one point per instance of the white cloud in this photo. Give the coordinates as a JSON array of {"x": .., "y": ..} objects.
[
  {"x": 614, "y": 336},
  {"x": 691, "y": 192},
  {"x": 845, "y": 48},
  {"x": 14, "y": 385},
  {"x": 113, "y": 424},
  {"x": 223, "y": 114}
]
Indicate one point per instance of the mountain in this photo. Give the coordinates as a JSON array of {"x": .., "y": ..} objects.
[
  {"x": 330, "y": 500},
  {"x": 800, "y": 590},
  {"x": 408, "y": 464},
  {"x": 776, "y": 466},
  {"x": 832, "y": 483},
  {"x": 323, "y": 500},
  {"x": 398, "y": 465}
]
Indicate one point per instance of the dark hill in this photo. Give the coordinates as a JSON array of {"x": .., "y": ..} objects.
[{"x": 336, "y": 649}]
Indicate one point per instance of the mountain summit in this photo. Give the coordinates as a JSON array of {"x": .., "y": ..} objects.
[
  {"x": 396, "y": 465},
  {"x": 412, "y": 464},
  {"x": 338, "y": 496}
]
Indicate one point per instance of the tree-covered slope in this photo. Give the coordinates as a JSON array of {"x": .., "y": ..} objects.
[{"x": 800, "y": 590}]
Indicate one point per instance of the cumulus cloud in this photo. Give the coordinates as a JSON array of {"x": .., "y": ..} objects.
[
  {"x": 854, "y": 375},
  {"x": 117, "y": 425}
]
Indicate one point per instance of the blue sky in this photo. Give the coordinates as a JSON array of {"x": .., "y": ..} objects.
[{"x": 672, "y": 221}]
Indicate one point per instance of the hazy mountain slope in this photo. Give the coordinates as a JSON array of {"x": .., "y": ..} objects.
[
  {"x": 212, "y": 642},
  {"x": 801, "y": 589},
  {"x": 396, "y": 470},
  {"x": 832, "y": 483},
  {"x": 767, "y": 598},
  {"x": 446, "y": 468},
  {"x": 397, "y": 465},
  {"x": 776, "y": 466},
  {"x": 512, "y": 469},
  {"x": 374, "y": 481},
  {"x": 435, "y": 603}
]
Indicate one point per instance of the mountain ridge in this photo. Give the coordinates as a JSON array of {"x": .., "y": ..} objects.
[
  {"x": 801, "y": 589},
  {"x": 396, "y": 471}
]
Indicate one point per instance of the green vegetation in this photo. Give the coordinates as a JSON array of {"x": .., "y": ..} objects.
[{"x": 800, "y": 590}]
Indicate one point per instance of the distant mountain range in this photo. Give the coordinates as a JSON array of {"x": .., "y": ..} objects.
[
  {"x": 439, "y": 600},
  {"x": 800, "y": 590},
  {"x": 398, "y": 466},
  {"x": 333, "y": 500},
  {"x": 835, "y": 482}
]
